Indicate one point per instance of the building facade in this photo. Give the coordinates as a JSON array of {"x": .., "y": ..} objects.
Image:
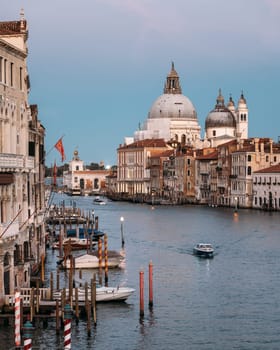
[
  {"x": 81, "y": 181},
  {"x": 22, "y": 203}
]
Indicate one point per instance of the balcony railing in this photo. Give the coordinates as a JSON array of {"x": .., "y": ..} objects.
[
  {"x": 10, "y": 162},
  {"x": 9, "y": 231},
  {"x": 14, "y": 162}
]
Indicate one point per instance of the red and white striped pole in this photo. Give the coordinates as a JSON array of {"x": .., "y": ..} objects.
[
  {"x": 17, "y": 319},
  {"x": 27, "y": 335},
  {"x": 67, "y": 327}
]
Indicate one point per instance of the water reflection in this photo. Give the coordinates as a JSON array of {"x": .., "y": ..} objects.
[{"x": 228, "y": 302}]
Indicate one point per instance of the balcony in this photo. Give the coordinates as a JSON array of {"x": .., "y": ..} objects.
[
  {"x": 30, "y": 163},
  {"x": 9, "y": 232},
  {"x": 222, "y": 183},
  {"x": 10, "y": 162}
]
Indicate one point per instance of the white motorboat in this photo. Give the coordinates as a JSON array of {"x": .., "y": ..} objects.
[
  {"x": 99, "y": 201},
  {"x": 204, "y": 250},
  {"x": 91, "y": 261},
  {"x": 103, "y": 294}
]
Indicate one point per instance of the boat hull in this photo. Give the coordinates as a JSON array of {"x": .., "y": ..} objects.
[
  {"x": 103, "y": 294},
  {"x": 204, "y": 250},
  {"x": 203, "y": 254},
  {"x": 88, "y": 261}
]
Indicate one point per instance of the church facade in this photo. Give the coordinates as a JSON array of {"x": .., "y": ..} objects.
[{"x": 172, "y": 124}]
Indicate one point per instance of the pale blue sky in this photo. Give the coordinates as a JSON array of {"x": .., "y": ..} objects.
[{"x": 96, "y": 66}]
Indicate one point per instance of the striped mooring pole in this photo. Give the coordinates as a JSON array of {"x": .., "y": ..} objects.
[
  {"x": 27, "y": 335},
  {"x": 67, "y": 326},
  {"x": 17, "y": 319}
]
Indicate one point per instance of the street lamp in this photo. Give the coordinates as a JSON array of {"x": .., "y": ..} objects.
[
  {"x": 235, "y": 204},
  {"x": 122, "y": 220}
]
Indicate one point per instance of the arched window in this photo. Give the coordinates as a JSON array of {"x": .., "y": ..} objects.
[{"x": 249, "y": 171}]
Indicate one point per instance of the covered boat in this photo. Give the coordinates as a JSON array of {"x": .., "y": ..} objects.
[
  {"x": 75, "y": 243},
  {"x": 204, "y": 250},
  {"x": 91, "y": 261}
]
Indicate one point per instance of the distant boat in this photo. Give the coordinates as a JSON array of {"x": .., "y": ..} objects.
[
  {"x": 103, "y": 294},
  {"x": 99, "y": 201},
  {"x": 204, "y": 250},
  {"x": 91, "y": 261}
]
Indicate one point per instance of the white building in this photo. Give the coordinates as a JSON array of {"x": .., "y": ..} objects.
[
  {"x": 266, "y": 188},
  {"x": 172, "y": 116},
  {"x": 225, "y": 123},
  {"x": 22, "y": 233},
  {"x": 79, "y": 180}
]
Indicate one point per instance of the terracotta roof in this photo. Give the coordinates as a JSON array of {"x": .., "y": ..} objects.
[
  {"x": 159, "y": 154},
  {"x": 213, "y": 155},
  {"x": 146, "y": 143},
  {"x": 271, "y": 169},
  {"x": 11, "y": 28}
]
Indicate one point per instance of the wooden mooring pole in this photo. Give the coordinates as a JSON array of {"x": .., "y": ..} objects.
[
  {"x": 141, "y": 285},
  {"x": 151, "y": 285}
]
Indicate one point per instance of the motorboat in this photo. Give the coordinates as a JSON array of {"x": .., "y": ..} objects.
[
  {"x": 99, "y": 201},
  {"x": 204, "y": 250},
  {"x": 91, "y": 261},
  {"x": 103, "y": 294}
]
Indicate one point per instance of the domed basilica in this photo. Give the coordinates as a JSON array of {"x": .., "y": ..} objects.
[{"x": 173, "y": 117}]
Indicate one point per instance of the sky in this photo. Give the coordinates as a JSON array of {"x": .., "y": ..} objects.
[{"x": 97, "y": 66}]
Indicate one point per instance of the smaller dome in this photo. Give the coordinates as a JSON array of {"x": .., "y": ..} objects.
[
  {"x": 220, "y": 116},
  {"x": 242, "y": 99},
  {"x": 230, "y": 102}
]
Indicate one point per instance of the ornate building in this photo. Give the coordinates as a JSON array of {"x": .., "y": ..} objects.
[
  {"x": 22, "y": 201},
  {"x": 225, "y": 123},
  {"x": 172, "y": 116},
  {"x": 80, "y": 181}
]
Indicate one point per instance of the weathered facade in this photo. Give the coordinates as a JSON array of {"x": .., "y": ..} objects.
[{"x": 22, "y": 203}]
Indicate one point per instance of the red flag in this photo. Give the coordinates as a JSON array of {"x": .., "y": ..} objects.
[{"x": 60, "y": 148}]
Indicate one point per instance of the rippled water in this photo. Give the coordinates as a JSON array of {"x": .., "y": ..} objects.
[{"x": 229, "y": 302}]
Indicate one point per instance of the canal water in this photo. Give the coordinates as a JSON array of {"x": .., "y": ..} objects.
[{"x": 228, "y": 302}]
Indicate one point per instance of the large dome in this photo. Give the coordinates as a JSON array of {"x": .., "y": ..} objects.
[
  {"x": 220, "y": 116},
  {"x": 172, "y": 106}
]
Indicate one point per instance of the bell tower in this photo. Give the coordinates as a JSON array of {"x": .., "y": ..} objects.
[{"x": 242, "y": 118}]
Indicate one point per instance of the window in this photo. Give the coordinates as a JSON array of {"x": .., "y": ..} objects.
[
  {"x": 5, "y": 72},
  {"x": 12, "y": 74},
  {"x": 1, "y": 69},
  {"x": 266, "y": 158},
  {"x": 20, "y": 78},
  {"x": 249, "y": 170},
  {"x": 77, "y": 167},
  {"x": 31, "y": 149},
  {"x": 249, "y": 157},
  {"x": 214, "y": 132}
]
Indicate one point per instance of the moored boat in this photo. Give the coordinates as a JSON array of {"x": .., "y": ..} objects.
[
  {"x": 91, "y": 261},
  {"x": 204, "y": 250},
  {"x": 76, "y": 243},
  {"x": 103, "y": 294}
]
